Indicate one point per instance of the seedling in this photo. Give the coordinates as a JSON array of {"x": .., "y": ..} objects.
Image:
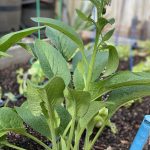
[{"x": 69, "y": 104}]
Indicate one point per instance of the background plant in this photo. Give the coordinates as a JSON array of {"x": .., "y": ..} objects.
[{"x": 69, "y": 104}]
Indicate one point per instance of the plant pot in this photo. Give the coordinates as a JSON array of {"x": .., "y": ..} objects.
[{"x": 10, "y": 14}]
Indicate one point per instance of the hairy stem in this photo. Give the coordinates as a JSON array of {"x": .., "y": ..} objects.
[
  {"x": 92, "y": 62},
  {"x": 36, "y": 140},
  {"x": 12, "y": 146},
  {"x": 52, "y": 129},
  {"x": 71, "y": 131},
  {"x": 97, "y": 135}
]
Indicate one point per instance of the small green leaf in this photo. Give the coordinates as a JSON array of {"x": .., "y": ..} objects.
[
  {"x": 52, "y": 62},
  {"x": 93, "y": 109},
  {"x": 113, "y": 61},
  {"x": 79, "y": 74},
  {"x": 63, "y": 28},
  {"x": 65, "y": 118},
  {"x": 108, "y": 35},
  {"x": 78, "y": 102},
  {"x": 81, "y": 15},
  {"x": 27, "y": 46},
  {"x": 38, "y": 123},
  {"x": 62, "y": 43},
  {"x": 111, "y": 21},
  {"x": 10, "y": 39},
  {"x": 10, "y": 121}
]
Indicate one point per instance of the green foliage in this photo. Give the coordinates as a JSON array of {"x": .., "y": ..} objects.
[
  {"x": 64, "y": 107},
  {"x": 142, "y": 66}
]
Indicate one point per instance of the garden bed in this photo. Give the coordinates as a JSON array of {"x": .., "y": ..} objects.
[{"x": 127, "y": 119}]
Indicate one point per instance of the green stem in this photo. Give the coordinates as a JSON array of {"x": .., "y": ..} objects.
[
  {"x": 71, "y": 131},
  {"x": 97, "y": 135},
  {"x": 12, "y": 146},
  {"x": 36, "y": 140},
  {"x": 92, "y": 62},
  {"x": 86, "y": 144},
  {"x": 77, "y": 141},
  {"x": 52, "y": 129}
]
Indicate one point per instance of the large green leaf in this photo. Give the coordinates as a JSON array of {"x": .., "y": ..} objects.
[
  {"x": 78, "y": 102},
  {"x": 38, "y": 123},
  {"x": 10, "y": 39},
  {"x": 113, "y": 61},
  {"x": 10, "y": 121},
  {"x": 119, "y": 80},
  {"x": 63, "y": 28},
  {"x": 62, "y": 43},
  {"x": 52, "y": 62},
  {"x": 46, "y": 96},
  {"x": 123, "y": 95}
]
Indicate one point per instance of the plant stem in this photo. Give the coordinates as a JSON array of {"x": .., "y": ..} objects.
[
  {"x": 97, "y": 135},
  {"x": 71, "y": 131},
  {"x": 52, "y": 129},
  {"x": 12, "y": 146},
  {"x": 92, "y": 62},
  {"x": 86, "y": 144},
  {"x": 35, "y": 139},
  {"x": 77, "y": 141}
]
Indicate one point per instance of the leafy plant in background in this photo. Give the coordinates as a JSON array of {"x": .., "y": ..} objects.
[
  {"x": 142, "y": 66},
  {"x": 34, "y": 73},
  {"x": 71, "y": 103}
]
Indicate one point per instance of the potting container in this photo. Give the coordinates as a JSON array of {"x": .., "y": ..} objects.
[{"x": 10, "y": 14}]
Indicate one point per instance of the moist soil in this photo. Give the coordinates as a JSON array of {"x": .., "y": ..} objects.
[{"x": 126, "y": 119}]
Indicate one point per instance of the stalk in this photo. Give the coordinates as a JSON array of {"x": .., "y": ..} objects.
[
  {"x": 97, "y": 135},
  {"x": 36, "y": 140},
  {"x": 92, "y": 62},
  {"x": 12, "y": 146},
  {"x": 71, "y": 131},
  {"x": 52, "y": 129}
]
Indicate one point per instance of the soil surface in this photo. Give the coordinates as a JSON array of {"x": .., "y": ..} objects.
[{"x": 127, "y": 120}]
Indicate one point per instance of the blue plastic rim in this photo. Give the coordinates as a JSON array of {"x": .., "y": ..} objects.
[{"x": 142, "y": 135}]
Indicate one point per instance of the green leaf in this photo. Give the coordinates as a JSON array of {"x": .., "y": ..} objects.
[
  {"x": 82, "y": 15},
  {"x": 100, "y": 64},
  {"x": 45, "y": 96},
  {"x": 63, "y": 28},
  {"x": 65, "y": 118},
  {"x": 113, "y": 61},
  {"x": 62, "y": 43},
  {"x": 38, "y": 123},
  {"x": 79, "y": 74},
  {"x": 35, "y": 96},
  {"x": 108, "y": 35},
  {"x": 27, "y": 46},
  {"x": 122, "y": 96},
  {"x": 78, "y": 102},
  {"x": 52, "y": 62},
  {"x": 119, "y": 80},
  {"x": 92, "y": 111},
  {"x": 10, "y": 121},
  {"x": 10, "y": 39}
]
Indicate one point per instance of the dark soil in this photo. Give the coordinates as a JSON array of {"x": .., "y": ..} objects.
[{"x": 127, "y": 119}]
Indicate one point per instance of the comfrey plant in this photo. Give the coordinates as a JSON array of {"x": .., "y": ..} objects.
[{"x": 73, "y": 100}]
